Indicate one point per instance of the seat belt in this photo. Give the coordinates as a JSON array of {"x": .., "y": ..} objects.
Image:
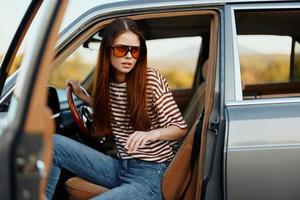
[{"x": 197, "y": 138}]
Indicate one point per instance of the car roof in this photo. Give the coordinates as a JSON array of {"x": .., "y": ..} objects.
[
  {"x": 140, "y": 3},
  {"x": 114, "y": 5},
  {"x": 126, "y": 2}
]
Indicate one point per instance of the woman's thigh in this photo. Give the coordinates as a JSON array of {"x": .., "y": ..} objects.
[
  {"x": 132, "y": 191},
  {"x": 140, "y": 180},
  {"x": 85, "y": 161}
]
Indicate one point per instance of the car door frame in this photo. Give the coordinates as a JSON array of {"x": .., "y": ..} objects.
[
  {"x": 26, "y": 130},
  {"x": 17, "y": 40},
  {"x": 205, "y": 174},
  {"x": 256, "y": 115}
]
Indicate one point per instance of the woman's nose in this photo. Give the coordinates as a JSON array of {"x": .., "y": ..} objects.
[{"x": 128, "y": 55}]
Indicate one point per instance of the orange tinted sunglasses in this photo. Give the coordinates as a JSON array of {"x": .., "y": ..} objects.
[{"x": 122, "y": 50}]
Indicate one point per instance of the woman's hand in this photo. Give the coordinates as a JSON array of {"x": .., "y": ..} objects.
[
  {"x": 76, "y": 87},
  {"x": 78, "y": 91},
  {"x": 138, "y": 139}
]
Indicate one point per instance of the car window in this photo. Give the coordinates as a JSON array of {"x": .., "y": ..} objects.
[
  {"x": 264, "y": 58},
  {"x": 77, "y": 66},
  {"x": 14, "y": 12},
  {"x": 297, "y": 61},
  {"x": 176, "y": 59},
  {"x": 268, "y": 53}
]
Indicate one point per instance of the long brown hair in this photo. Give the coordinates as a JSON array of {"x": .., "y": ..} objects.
[{"x": 136, "y": 81}]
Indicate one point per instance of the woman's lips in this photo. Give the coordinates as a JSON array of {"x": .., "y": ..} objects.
[{"x": 127, "y": 64}]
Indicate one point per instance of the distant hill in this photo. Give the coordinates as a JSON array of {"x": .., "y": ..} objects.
[
  {"x": 262, "y": 68},
  {"x": 247, "y": 50},
  {"x": 178, "y": 59},
  {"x": 178, "y": 66}
]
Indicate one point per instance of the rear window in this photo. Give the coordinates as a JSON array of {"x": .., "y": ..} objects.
[
  {"x": 264, "y": 58},
  {"x": 176, "y": 59},
  {"x": 269, "y": 53}
]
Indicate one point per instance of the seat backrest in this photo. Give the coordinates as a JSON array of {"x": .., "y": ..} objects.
[
  {"x": 197, "y": 102},
  {"x": 177, "y": 175},
  {"x": 194, "y": 108}
]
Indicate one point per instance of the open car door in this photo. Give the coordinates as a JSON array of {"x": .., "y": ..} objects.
[{"x": 26, "y": 129}]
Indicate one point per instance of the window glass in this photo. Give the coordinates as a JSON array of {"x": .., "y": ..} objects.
[
  {"x": 77, "y": 66},
  {"x": 264, "y": 58},
  {"x": 297, "y": 62},
  {"x": 176, "y": 59},
  {"x": 265, "y": 45},
  {"x": 14, "y": 11}
]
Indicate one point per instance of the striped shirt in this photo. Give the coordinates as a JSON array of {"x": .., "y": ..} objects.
[{"x": 162, "y": 112}]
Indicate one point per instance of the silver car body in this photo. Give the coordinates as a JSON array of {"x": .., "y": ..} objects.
[
  {"x": 261, "y": 142},
  {"x": 259, "y": 139}
]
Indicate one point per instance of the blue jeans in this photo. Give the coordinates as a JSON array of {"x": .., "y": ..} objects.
[{"x": 126, "y": 179}]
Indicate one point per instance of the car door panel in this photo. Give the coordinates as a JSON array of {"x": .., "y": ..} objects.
[{"x": 262, "y": 151}]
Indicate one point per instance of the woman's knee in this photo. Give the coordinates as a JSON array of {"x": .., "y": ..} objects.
[
  {"x": 58, "y": 142},
  {"x": 61, "y": 146}
]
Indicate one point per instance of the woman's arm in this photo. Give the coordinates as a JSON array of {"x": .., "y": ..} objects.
[
  {"x": 140, "y": 138},
  {"x": 169, "y": 134},
  {"x": 79, "y": 93},
  {"x": 87, "y": 99}
]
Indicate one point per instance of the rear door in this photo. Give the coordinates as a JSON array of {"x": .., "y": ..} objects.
[
  {"x": 25, "y": 130},
  {"x": 263, "y": 139}
]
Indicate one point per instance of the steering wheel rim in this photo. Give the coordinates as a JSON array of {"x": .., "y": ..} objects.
[{"x": 74, "y": 112}]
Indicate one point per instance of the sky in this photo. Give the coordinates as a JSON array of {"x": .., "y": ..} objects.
[
  {"x": 11, "y": 12},
  {"x": 266, "y": 44}
]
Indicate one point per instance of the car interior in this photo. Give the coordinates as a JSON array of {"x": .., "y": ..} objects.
[{"x": 190, "y": 101}]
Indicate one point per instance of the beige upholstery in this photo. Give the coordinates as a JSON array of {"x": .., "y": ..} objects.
[
  {"x": 195, "y": 106},
  {"x": 197, "y": 102},
  {"x": 177, "y": 174},
  {"x": 80, "y": 189}
]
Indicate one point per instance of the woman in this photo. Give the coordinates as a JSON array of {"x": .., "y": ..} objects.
[{"x": 135, "y": 104}]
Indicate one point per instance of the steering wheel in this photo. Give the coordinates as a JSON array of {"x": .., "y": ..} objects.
[{"x": 86, "y": 118}]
